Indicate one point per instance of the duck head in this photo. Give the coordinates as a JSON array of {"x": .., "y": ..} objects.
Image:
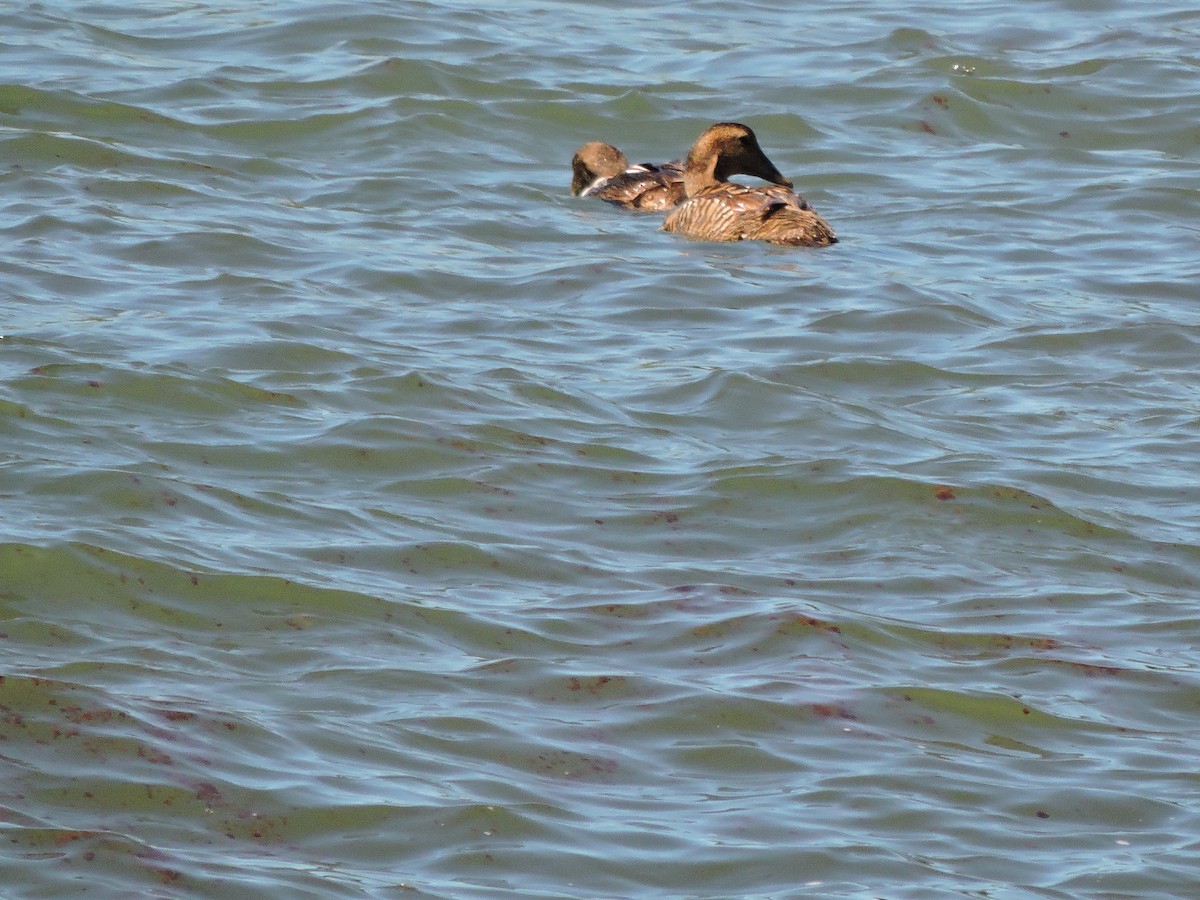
[
  {"x": 725, "y": 149},
  {"x": 593, "y": 160}
]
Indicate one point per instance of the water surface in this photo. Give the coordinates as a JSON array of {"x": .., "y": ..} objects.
[{"x": 379, "y": 520}]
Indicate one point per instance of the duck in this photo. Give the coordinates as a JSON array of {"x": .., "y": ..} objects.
[
  {"x": 601, "y": 170},
  {"x": 717, "y": 209}
]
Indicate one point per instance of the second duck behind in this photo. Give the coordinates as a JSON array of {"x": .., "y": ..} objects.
[{"x": 601, "y": 170}]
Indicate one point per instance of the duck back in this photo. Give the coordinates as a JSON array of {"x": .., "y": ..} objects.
[{"x": 733, "y": 212}]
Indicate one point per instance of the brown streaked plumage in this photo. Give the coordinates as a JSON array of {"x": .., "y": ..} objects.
[
  {"x": 716, "y": 209},
  {"x": 601, "y": 170}
]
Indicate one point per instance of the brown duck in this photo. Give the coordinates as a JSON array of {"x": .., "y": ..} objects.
[
  {"x": 601, "y": 170},
  {"x": 716, "y": 209}
]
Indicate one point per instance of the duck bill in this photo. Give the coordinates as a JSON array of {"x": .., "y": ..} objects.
[{"x": 765, "y": 169}]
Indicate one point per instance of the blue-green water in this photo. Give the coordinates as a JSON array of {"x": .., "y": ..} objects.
[{"x": 378, "y": 520}]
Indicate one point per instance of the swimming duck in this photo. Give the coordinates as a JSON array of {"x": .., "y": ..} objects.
[
  {"x": 717, "y": 209},
  {"x": 601, "y": 170}
]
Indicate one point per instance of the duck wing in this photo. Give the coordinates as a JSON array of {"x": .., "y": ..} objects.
[
  {"x": 735, "y": 212},
  {"x": 792, "y": 227},
  {"x": 646, "y": 187},
  {"x": 729, "y": 211}
]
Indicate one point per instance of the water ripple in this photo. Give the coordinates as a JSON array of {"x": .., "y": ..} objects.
[{"x": 383, "y": 520}]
